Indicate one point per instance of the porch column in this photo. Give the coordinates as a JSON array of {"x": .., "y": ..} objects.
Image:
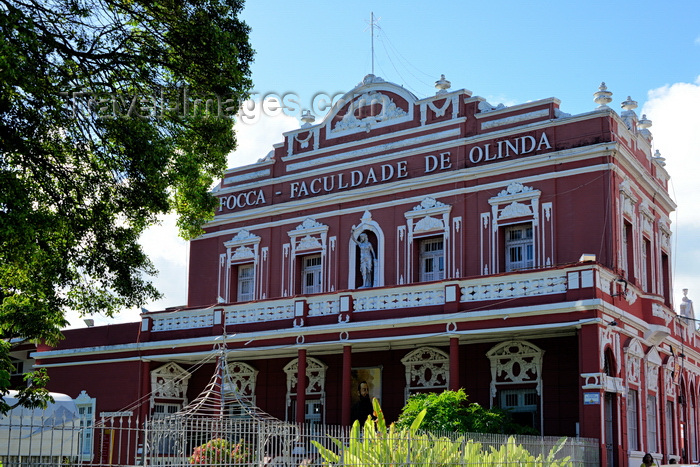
[
  {"x": 454, "y": 363},
  {"x": 301, "y": 387},
  {"x": 346, "y": 390},
  {"x": 144, "y": 409}
]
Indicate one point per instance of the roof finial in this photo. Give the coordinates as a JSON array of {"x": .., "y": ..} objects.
[
  {"x": 603, "y": 97},
  {"x": 442, "y": 85}
]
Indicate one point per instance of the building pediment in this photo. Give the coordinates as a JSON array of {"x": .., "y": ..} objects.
[{"x": 374, "y": 103}]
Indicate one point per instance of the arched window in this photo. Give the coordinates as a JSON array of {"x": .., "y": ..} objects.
[
  {"x": 168, "y": 389},
  {"x": 315, "y": 390},
  {"x": 516, "y": 380},
  {"x": 609, "y": 367}
]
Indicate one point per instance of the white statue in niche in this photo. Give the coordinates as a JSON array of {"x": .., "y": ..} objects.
[{"x": 367, "y": 258}]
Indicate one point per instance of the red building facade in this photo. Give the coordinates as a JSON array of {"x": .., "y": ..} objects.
[{"x": 426, "y": 244}]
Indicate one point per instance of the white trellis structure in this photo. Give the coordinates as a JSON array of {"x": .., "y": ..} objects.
[{"x": 225, "y": 409}]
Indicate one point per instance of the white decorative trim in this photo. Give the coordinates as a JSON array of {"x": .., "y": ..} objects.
[
  {"x": 516, "y": 200},
  {"x": 324, "y": 307},
  {"x": 627, "y": 198},
  {"x": 430, "y": 217},
  {"x": 259, "y": 313},
  {"x": 390, "y": 301},
  {"x": 553, "y": 284},
  {"x": 180, "y": 320},
  {"x": 428, "y": 224},
  {"x": 315, "y": 373},
  {"x": 515, "y": 209},
  {"x": 242, "y": 379},
  {"x": 169, "y": 381},
  {"x": 426, "y": 368},
  {"x": 653, "y": 363},
  {"x": 669, "y": 383},
  {"x": 243, "y": 237},
  {"x": 381, "y": 149},
  {"x": 514, "y": 119},
  {"x": 243, "y": 178},
  {"x": 633, "y": 356},
  {"x": 243, "y": 252},
  {"x": 309, "y": 243},
  {"x": 515, "y": 362},
  {"x": 390, "y": 111}
]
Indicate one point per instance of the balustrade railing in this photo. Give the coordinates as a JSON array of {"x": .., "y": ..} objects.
[{"x": 526, "y": 284}]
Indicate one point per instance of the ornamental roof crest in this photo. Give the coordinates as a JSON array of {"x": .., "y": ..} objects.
[{"x": 372, "y": 99}]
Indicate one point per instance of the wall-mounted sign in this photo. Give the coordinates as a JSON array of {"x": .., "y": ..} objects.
[{"x": 591, "y": 398}]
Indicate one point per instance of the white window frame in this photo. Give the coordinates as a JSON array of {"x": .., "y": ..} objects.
[
  {"x": 246, "y": 282},
  {"x": 86, "y": 411},
  {"x": 515, "y": 400},
  {"x": 314, "y": 272},
  {"x": 652, "y": 424},
  {"x": 432, "y": 261},
  {"x": 163, "y": 409},
  {"x": 315, "y": 390},
  {"x": 645, "y": 272},
  {"x": 524, "y": 246},
  {"x": 633, "y": 419},
  {"x": 243, "y": 249}
]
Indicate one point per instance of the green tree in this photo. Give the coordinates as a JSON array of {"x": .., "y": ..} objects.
[
  {"x": 450, "y": 411},
  {"x": 112, "y": 112}
]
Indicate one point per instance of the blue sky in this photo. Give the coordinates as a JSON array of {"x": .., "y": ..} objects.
[{"x": 509, "y": 52}]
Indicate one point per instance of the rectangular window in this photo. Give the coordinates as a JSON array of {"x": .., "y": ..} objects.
[
  {"x": 632, "y": 423},
  {"x": 432, "y": 259},
  {"x": 246, "y": 282},
  {"x": 670, "y": 442},
  {"x": 519, "y": 247},
  {"x": 163, "y": 409},
  {"x": 627, "y": 250},
  {"x": 523, "y": 404},
  {"x": 167, "y": 443},
  {"x": 311, "y": 274},
  {"x": 86, "y": 412},
  {"x": 646, "y": 264},
  {"x": 665, "y": 279},
  {"x": 651, "y": 424},
  {"x": 313, "y": 413},
  {"x": 17, "y": 367}
]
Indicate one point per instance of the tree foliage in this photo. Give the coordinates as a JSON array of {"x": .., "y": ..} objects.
[
  {"x": 101, "y": 131},
  {"x": 450, "y": 411}
]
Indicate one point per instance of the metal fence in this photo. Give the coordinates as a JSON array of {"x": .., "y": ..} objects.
[{"x": 186, "y": 441}]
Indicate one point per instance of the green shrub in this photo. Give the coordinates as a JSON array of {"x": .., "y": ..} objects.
[{"x": 450, "y": 411}]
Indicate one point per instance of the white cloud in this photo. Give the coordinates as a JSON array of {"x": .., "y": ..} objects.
[{"x": 676, "y": 130}]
